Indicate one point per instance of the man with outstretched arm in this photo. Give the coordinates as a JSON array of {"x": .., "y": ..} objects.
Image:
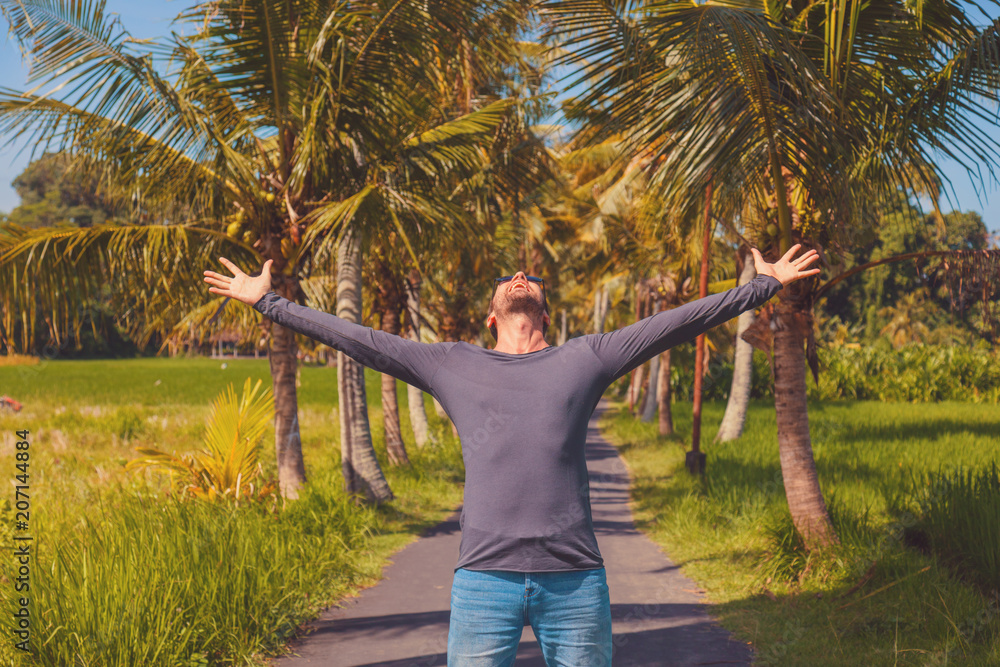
[{"x": 528, "y": 553}]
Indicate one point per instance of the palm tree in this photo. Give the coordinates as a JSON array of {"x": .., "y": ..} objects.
[
  {"x": 819, "y": 116},
  {"x": 692, "y": 85},
  {"x": 518, "y": 163},
  {"x": 739, "y": 393},
  {"x": 268, "y": 123},
  {"x": 389, "y": 304},
  {"x": 414, "y": 396},
  {"x": 605, "y": 189},
  {"x": 359, "y": 466},
  {"x": 928, "y": 73}
]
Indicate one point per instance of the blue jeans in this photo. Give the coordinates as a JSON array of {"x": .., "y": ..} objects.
[{"x": 569, "y": 612}]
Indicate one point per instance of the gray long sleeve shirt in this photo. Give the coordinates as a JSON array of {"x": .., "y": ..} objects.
[{"x": 522, "y": 418}]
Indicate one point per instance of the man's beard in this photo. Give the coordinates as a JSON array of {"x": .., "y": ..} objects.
[{"x": 519, "y": 301}]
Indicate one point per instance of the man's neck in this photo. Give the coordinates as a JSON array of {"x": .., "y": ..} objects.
[{"x": 519, "y": 336}]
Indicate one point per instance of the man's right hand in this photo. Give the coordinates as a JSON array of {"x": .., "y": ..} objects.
[{"x": 241, "y": 287}]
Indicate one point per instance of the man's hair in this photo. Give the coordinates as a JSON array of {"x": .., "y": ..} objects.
[{"x": 545, "y": 327}]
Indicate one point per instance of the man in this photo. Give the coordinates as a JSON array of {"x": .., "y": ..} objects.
[{"x": 528, "y": 553}]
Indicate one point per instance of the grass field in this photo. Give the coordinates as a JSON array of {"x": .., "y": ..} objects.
[
  {"x": 121, "y": 575},
  {"x": 875, "y": 600}
]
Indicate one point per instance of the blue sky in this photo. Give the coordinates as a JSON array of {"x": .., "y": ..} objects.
[
  {"x": 143, "y": 19},
  {"x": 150, "y": 18}
]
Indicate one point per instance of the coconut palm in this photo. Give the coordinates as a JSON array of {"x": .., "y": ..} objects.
[
  {"x": 819, "y": 114},
  {"x": 739, "y": 393},
  {"x": 632, "y": 235},
  {"x": 414, "y": 396},
  {"x": 518, "y": 161},
  {"x": 247, "y": 138},
  {"x": 389, "y": 305}
]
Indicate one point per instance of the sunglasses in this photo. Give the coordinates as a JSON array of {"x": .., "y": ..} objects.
[{"x": 499, "y": 281}]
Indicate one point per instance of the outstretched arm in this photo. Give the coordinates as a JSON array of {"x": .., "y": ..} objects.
[
  {"x": 412, "y": 362},
  {"x": 623, "y": 349}
]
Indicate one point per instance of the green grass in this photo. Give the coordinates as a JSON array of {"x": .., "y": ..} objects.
[
  {"x": 872, "y": 601},
  {"x": 123, "y": 575},
  {"x": 956, "y": 516},
  {"x": 152, "y": 381}
]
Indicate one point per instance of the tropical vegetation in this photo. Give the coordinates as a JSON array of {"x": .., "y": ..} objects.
[
  {"x": 912, "y": 579},
  {"x": 128, "y": 571},
  {"x": 390, "y": 159}
]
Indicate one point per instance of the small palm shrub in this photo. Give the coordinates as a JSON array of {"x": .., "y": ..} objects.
[{"x": 229, "y": 467}]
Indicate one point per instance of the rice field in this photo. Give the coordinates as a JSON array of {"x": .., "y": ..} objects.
[{"x": 123, "y": 574}]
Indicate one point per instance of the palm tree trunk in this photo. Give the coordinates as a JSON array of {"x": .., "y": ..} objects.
[
  {"x": 739, "y": 392},
  {"x": 635, "y": 386},
  {"x": 394, "y": 444},
  {"x": 649, "y": 407},
  {"x": 663, "y": 395},
  {"x": 283, "y": 360},
  {"x": 798, "y": 468},
  {"x": 414, "y": 396},
  {"x": 564, "y": 329},
  {"x": 360, "y": 466},
  {"x": 638, "y": 374},
  {"x": 605, "y": 305},
  {"x": 699, "y": 349},
  {"x": 597, "y": 310},
  {"x": 652, "y": 382},
  {"x": 390, "y": 300},
  {"x": 601, "y": 299}
]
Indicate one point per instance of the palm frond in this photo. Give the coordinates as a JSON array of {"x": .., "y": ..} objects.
[
  {"x": 228, "y": 466},
  {"x": 150, "y": 273}
]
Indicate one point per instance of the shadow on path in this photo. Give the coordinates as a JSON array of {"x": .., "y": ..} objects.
[{"x": 402, "y": 621}]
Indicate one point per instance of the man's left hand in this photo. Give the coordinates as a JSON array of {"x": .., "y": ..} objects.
[{"x": 786, "y": 269}]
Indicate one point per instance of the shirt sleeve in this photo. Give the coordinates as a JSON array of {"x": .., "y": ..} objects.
[
  {"x": 411, "y": 361},
  {"x": 623, "y": 349}
]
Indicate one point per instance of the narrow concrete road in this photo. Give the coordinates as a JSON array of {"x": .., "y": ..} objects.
[{"x": 402, "y": 621}]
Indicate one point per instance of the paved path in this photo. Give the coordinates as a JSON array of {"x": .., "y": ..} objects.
[{"x": 402, "y": 621}]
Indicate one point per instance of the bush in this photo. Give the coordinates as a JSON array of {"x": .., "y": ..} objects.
[
  {"x": 914, "y": 373},
  {"x": 226, "y": 469}
]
